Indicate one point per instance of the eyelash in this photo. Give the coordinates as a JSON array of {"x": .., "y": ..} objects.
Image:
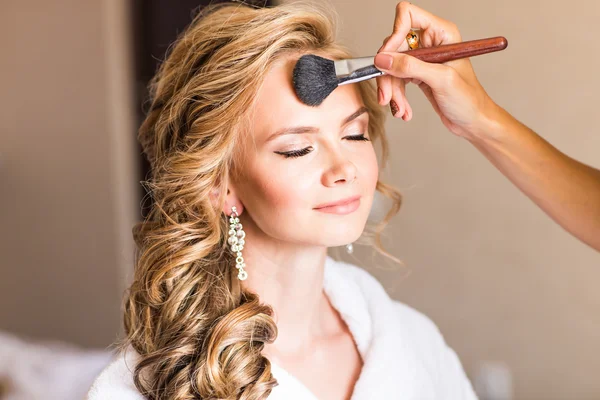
[{"x": 306, "y": 150}]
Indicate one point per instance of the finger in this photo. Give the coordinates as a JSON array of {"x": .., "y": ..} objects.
[
  {"x": 384, "y": 83},
  {"x": 383, "y": 44},
  {"x": 429, "y": 94},
  {"x": 403, "y": 46},
  {"x": 408, "y": 113},
  {"x": 379, "y": 80},
  {"x": 398, "y": 100},
  {"x": 401, "y": 65},
  {"x": 436, "y": 30}
]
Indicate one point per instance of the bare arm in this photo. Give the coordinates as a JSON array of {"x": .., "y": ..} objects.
[{"x": 567, "y": 190}]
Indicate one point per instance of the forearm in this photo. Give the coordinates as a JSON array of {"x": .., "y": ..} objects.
[{"x": 567, "y": 190}]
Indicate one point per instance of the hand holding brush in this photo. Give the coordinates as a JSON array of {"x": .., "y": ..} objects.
[{"x": 316, "y": 77}]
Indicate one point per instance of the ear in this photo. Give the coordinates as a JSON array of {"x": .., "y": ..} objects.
[{"x": 231, "y": 199}]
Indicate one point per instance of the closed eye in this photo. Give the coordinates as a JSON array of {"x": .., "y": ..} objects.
[
  {"x": 295, "y": 153},
  {"x": 306, "y": 150},
  {"x": 358, "y": 137}
]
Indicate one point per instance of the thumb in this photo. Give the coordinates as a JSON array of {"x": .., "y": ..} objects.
[{"x": 405, "y": 66}]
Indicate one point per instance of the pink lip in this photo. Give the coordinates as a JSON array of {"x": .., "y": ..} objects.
[{"x": 345, "y": 206}]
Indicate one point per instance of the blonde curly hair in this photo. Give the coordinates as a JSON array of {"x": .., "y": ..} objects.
[{"x": 199, "y": 335}]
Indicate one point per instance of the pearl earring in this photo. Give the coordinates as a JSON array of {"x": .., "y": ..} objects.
[
  {"x": 237, "y": 242},
  {"x": 349, "y": 248}
]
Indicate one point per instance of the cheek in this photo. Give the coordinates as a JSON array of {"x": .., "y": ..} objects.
[
  {"x": 368, "y": 168},
  {"x": 274, "y": 198},
  {"x": 276, "y": 191}
]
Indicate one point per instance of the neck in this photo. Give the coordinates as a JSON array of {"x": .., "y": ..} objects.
[{"x": 289, "y": 278}]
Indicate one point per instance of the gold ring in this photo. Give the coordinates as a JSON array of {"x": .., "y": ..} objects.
[{"x": 412, "y": 39}]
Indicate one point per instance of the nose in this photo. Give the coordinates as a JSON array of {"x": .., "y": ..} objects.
[{"x": 341, "y": 171}]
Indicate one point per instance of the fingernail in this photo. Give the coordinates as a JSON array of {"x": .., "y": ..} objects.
[
  {"x": 383, "y": 61},
  {"x": 380, "y": 95},
  {"x": 394, "y": 107}
]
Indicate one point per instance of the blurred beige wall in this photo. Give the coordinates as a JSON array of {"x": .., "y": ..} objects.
[
  {"x": 67, "y": 177},
  {"x": 503, "y": 282}
]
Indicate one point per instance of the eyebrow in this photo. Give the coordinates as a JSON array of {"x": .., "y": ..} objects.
[{"x": 312, "y": 129}]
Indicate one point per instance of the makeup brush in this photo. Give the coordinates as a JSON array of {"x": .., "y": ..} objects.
[{"x": 315, "y": 77}]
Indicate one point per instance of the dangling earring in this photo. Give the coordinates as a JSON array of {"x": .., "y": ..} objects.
[
  {"x": 237, "y": 242},
  {"x": 349, "y": 248}
]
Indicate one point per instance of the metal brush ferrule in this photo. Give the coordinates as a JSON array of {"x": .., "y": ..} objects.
[{"x": 356, "y": 70}]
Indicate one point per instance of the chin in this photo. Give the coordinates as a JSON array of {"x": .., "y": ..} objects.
[{"x": 340, "y": 231}]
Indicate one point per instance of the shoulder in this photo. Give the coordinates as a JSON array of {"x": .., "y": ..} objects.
[
  {"x": 412, "y": 319},
  {"x": 368, "y": 284},
  {"x": 115, "y": 382},
  {"x": 417, "y": 324},
  {"x": 413, "y": 328},
  {"x": 434, "y": 352},
  {"x": 413, "y": 323}
]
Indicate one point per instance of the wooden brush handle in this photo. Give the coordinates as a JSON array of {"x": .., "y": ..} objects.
[{"x": 454, "y": 51}]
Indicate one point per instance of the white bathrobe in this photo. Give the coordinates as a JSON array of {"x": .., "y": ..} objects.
[{"x": 404, "y": 354}]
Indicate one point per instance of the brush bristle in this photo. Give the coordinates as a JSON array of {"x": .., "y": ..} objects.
[{"x": 314, "y": 79}]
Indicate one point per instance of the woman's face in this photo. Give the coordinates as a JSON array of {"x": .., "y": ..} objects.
[{"x": 297, "y": 158}]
